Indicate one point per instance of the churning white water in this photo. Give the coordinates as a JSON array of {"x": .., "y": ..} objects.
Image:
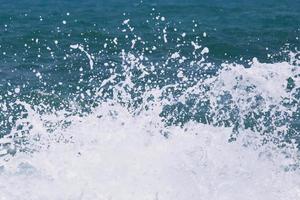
[{"x": 113, "y": 153}]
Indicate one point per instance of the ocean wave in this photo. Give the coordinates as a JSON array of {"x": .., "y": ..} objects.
[{"x": 177, "y": 127}]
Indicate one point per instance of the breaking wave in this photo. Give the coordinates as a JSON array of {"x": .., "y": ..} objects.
[{"x": 137, "y": 127}]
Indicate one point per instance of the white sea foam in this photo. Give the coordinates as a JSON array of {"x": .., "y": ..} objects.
[
  {"x": 126, "y": 157},
  {"x": 115, "y": 154}
]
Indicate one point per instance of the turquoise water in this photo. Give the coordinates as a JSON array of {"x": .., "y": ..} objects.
[{"x": 72, "y": 72}]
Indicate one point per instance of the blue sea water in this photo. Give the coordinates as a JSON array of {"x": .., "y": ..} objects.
[{"x": 142, "y": 91}]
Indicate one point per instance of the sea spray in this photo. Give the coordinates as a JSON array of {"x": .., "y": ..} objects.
[{"x": 150, "y": 119}]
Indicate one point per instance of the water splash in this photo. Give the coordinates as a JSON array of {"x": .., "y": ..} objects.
[{"x": 180, "y": 127}]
